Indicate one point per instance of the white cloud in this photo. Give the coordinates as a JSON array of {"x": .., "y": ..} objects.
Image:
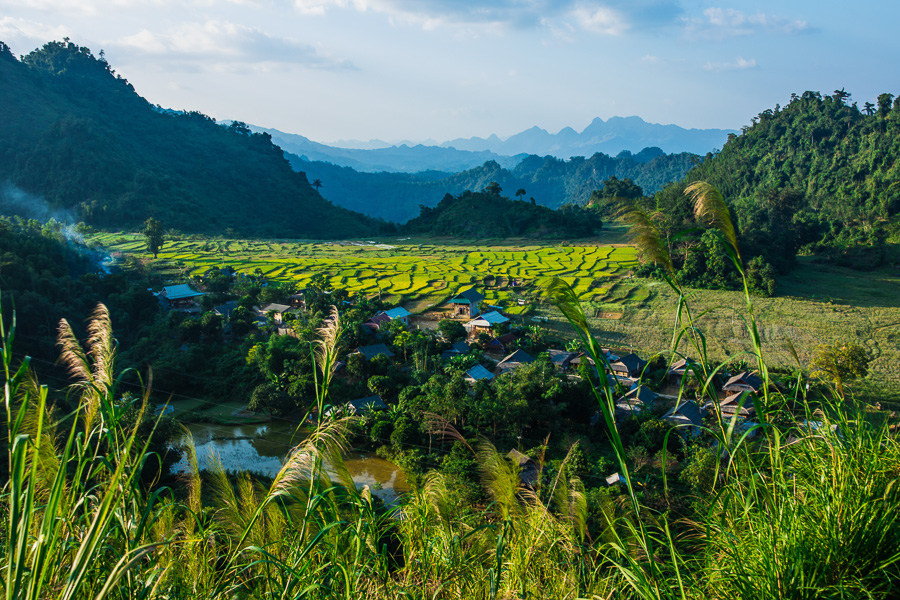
[
  {"x": 224, "y": 46},
  {"x": 13, "y": 30},
  {"x": 739, "y": 64},
  {"x": 600, "y": 19},
  {"x": 606, "y": 17},
  {"x": 718, "y": 23}
]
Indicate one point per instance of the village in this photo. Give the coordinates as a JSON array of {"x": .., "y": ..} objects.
[{"x": 485, "y": 345}]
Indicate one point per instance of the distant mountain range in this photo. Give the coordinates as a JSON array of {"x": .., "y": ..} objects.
[
  {"x": 394, "y": 159},
  {"x": 611, "y": 137},
  {"x": 552, "y": 182}
]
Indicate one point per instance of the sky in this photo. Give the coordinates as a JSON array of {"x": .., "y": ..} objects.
[{"x": 440, "y": 69}]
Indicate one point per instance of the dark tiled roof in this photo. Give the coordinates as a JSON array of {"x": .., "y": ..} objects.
[
  {"x": 519, "y": 357},
  {"x": 631, "y": 362},
  {"x": 366, "y": 404},
  {"x": 469, "y": 296}
]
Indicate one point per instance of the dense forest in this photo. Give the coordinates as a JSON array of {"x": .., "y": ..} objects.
[
  {"x": 487, "y": 214},
  {"x": 77, "y": 135},
  {"x": 552, "y": 182},
  {"x": 816, "y": 178}
]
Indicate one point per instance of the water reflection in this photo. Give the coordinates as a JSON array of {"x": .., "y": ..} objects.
[{"x": 261, "y": 448}]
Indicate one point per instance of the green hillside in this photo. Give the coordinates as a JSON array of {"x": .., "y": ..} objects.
[
  {"x": 550, "y": 181},
  {"x": 77, "y": 135},
  {"x": 488, "y": 214},
  {"x": 816, "y": 177}
]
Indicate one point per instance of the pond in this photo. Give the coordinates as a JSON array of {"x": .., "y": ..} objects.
[{"x": 261, "y": 448}]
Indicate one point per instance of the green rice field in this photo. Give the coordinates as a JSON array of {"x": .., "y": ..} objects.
[
  {"x": 417, "y": 275},
  {"x": 815, "y": 304}
]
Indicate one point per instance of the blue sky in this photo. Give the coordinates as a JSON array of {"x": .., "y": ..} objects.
[{"x": 440, "y": 69}]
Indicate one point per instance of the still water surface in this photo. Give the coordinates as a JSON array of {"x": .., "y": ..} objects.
[{"x": 262, "y": 447}]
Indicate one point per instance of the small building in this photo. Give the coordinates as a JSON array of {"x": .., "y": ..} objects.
[
  {"x": 386, "y": 316},
  {"x": 561, "y": 359},
  {"x": 398, "y": 314},
  {"x": 489, "y": 323},
  {"x": 179, "y": 297},
  {"x": 679, "y": 368},
  {"x": 466, "y": 303},
  {"x": 279, "y": 311},
  {"x": 456, "y": 349},
  {"x": 298, "y": 300},
  {"x": 377, "y": 321},
  {"x": 614, "y": 479},
  {"x": 514, "y": 361},
  {"x": 686, "y": 414},
  {"x": 740, "y": 404},
  {"x": 374, "y": 350},
  {"x": 636, "y": 401},
  {"x": 364, "y": 405},
  {"x": 226, "y": 310},
  {"x": 529, "y": 470},
  {"x": 629, "y": 365},
  {"x": 744, "y": 381},
  {"x": 502, "y": 344},
  {"x": 478, "y": 373}
]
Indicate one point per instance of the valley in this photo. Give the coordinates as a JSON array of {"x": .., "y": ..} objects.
[{"x": 816, "y": 303}]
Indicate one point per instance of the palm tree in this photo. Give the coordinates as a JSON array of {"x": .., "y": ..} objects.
[{"x": 317, "y": 183}]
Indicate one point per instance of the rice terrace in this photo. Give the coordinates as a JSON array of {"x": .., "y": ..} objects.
[{"x": 815, "y": 303}]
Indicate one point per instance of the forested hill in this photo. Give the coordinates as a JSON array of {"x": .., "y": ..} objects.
[
  {"x": 78, "y": 136},
  {"x": 550, "y": 181},
  {"x": 836, "y": 165},
  {"x": 488, "y": 214}
]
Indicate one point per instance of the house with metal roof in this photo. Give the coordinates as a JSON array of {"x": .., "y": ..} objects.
[
  {"x": 487, "y": 323},
  {"x": 466, "y": 303},
  {"x": 398, "y": 314},
  {"x": 478, "y": 373},
  {"x": 386, "y": 316},
  {"x": 278, "y": 311},
  {"x": 178, "y": 296}
]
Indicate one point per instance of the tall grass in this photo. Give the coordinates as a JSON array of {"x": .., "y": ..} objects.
[{"x": 798, "y": 511}]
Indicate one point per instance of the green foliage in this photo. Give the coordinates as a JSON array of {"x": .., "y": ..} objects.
[
  {"x": 451, "y": 330},
  {"x": 80, "y": 137},
  {"x": 815, "y": 176},
  {"x": 551, "y": 181},
  {"x": 153, "y": 231},
  {"x": 487, "y": 214},
  {"x": 268, "y": 398},
  {"x": 840, "y": 364}
]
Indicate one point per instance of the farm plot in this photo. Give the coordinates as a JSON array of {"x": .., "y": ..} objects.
[{"x": 419, "y": 274}]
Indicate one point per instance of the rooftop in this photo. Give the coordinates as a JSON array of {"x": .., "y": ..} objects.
[
  {"x": 478, "y": 372},
  {"x": 469, "y": 296},
  {"x": 488, "y": 319},
  {"x": 397, "y": 313},
  {"x": 179, "y": 292}
]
